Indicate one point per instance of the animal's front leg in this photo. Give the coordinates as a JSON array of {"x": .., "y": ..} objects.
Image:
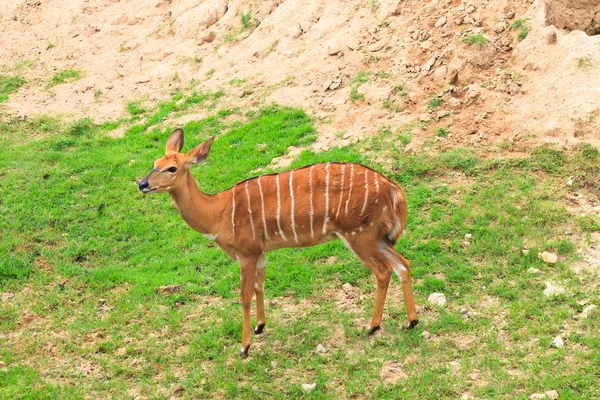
[{"x": 248, "y": 278}]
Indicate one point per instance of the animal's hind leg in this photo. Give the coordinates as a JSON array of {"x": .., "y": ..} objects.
[
  {"x": 368, "y": 253},
  {"x": 259, "y": 290},
  {"x": 401, "y": 268}
]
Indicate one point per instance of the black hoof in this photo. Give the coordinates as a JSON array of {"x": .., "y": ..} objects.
[
  {"x": 373, "y": 330},
  {"x": 412, "y": 324},
  {"x": 259, "y": 329},
  {"x": 244, "y": 352}
]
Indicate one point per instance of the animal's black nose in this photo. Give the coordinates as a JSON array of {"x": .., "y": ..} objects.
[{"x": 143, "y": 184}]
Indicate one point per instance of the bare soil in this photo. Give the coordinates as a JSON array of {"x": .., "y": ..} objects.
[{"x": 543, "y": 89}]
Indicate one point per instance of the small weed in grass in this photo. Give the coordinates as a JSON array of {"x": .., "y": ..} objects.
[
  {"x": 442, "y": 132},
  {"x": 355, "y": 95},
  {"x": 135, "y": 108},
  {"x": 66, "y": 76},
  {"x": 479, "y": 40},
  {"x": 97, "y": 93},
  {"x": 522, "y": 26},
  {"x": 8, "y": 85},
  {"x": 434, "y": 103},
  {"x": 210, "y": 73},
  {"x": 584, "y": 62},
  {"x": 246, "y": 20},
  {"x": 50, "y": 45},
  {"x": 400, "y": 90}
]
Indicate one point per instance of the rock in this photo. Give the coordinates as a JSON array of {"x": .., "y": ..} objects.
[
  {"x": 468, "y": 236},
  {"x": 525, "y": 252},
  {"x": 308, "y": 387},
  {"x": 551, "y": 37},
  {"x": 429, "y": 64},
  {"x": 537, "y": 396},
  {"x": 533, "y": 271},
  {"x": 425, "y": 335},
  {"x": 424, "y": 117},
  {"x": 392, "y": 372},
  {"x": 548, "y": 257},
  {"x": 453, "y": 102},
  {"x": 437, "y": 299},
  {"x": 441, "y": 22},
  {"x": 442, "y": 114},
  {"x": 334, "y": 49},
  {"x": 7, "y": 295},
  {"x": 510, "y": 14},
  {"x": 552, "y": 394},
  {"x": 552, "y": 290},
  {"x": 353, "y": 44},
  {"x": 558, "y": 342},
  {"x": 377, "y": 45},
  {"x": 500, "y": 27},
  {"x": 570, "y": 182},
  {"x": 320, "y": 349},
  {"x": 590, "y": 309},
  {"x": 470, "y": 9},
  {"x": 440, "y": 74}
]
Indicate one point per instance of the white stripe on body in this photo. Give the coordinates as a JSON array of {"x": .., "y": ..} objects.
[
  {"x": 337, "y": 212},
  {"x": 351, "y": 184},
  {"x": 376, "y": 184},
  {"x": 366, "y": 192},
  {"x": 293, "y": 204},
  {"x": 312, "y": 210},
  {"x": 279, "y": 209},
  {"x": 326, "y": 220},
  {"x": 233, "y": 210},
  {"x": 250, "y": 212},
  {"x": 262, "y": 203}
]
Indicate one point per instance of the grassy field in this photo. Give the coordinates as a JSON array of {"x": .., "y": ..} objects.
[{"x": 84, "y": 252}]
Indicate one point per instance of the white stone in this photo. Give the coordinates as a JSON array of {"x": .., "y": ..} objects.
[
  {"x": 533, "y": 271},
  {"x": 552, "y": 394},
  {"x": 320, "y": 349},
  {"x": 468, "y": 236},
  {"x": 425, "y": 335},
  {"x": 558, "y": 342},
  {"x": 537, "y": 396},
  {"x": 437, "y": 299},
  {"x": 587, "y": 311},
  {"x": 548, "y": 257},
  {"x": 308, "y": 387},
  {"x": 441, "y": 22},
  {"x": 552, "y": 290}
]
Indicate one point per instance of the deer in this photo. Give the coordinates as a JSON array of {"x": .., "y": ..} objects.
[{"x": 296, "y": 208}]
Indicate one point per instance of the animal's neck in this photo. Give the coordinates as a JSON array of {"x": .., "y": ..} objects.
[{"x": 195, "y": 207}]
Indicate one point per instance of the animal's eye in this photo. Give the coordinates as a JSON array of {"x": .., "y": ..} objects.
[{"x": 172, "y": 170}]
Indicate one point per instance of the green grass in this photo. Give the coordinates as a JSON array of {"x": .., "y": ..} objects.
[
  {"x": 434, "y": 102},
  {"x": 66, "y": 76},
  {"x": 522, "y": 26},
  {"x": 84, "y": 252},
  {"x": 8, "y": 85},
  {"x": 479, "y": 40},
  {"x": 361, "y": 78}
]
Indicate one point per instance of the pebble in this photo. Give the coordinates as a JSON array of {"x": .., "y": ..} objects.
[
  {"x": 552, "y": 290},
  {"x": 308, "y": 387},
  {"x": 587, "y": 310},
  {"x": 7, "y": 295},
  {"x": 533, "y": 271},
  {"x": 500, "y": 27},
  {"x": 537, "y": 396},
  {"x": 551, "y": 37},
  {"x": 437, "y": 299},
  {"x": 558, "y": 342},
  {"x": 468, "y": 236},
  {"x": 425, "y": 335},
  {"x": 548, "y": 257},
  {"x": 552, "y": 394},
  {"x": 525, "y": 252},
  {"x": 320, "y": 349},
  {"x": 441, "y": 22}
]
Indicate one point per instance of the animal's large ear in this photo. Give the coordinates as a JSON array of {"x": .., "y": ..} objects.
[
  {"x": 175, "y": 142},
  {"x": 199, "y": 153}
]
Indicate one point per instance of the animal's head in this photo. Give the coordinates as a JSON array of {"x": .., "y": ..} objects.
[{"x": 170, "y": 170}]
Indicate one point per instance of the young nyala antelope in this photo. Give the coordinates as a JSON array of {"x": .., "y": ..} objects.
[{"x": 297, "y": 208}]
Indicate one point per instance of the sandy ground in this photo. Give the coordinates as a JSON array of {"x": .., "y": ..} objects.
[{"x": 544, "y": 88}]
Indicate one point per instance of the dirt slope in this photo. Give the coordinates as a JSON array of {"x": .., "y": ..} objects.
[{"x": 309, "y": 53}]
